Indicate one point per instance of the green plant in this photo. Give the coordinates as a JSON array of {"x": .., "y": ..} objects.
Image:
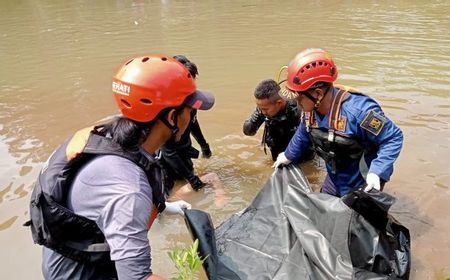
[{"x": 187, "y": 261}]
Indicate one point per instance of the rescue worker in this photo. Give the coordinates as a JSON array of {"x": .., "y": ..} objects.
[
  {"x": 346, "y": 128},
  {"x": 280, "y": 117},
  {"x": 92, "y": 204},
  {"x": 176, "y": 158}
]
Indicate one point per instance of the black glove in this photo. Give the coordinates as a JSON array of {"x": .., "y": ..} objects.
[
  {"x": 196, "y": 183},
  {"x": 206, "y": 151}
]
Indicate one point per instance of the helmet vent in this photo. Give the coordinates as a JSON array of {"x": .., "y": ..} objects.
[
  {"x": 189, "y": 75},
  {"x": 146, "y": 101},
  {"x": 145, "y": 59},
  {"x": 129, "y": 61},
  {"x": 125, "y": 103},
  {"x": 164, "y": 58},
  {"x": 332, "y": 71}
]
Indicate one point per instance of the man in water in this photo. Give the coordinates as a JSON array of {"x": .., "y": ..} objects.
[
  {"x": 280, "y": 117},
  {"x": 99, "y": 192},
  {"x": 348, "y": 129},
  {"x": 176, "y": 158}
]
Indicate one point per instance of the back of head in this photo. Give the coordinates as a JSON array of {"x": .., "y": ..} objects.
[{"x": 267, "y": 89}]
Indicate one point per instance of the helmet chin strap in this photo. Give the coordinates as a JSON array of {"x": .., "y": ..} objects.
[
  {"x": 315, "y": 100},
  {"x": 173, "y": 127}
]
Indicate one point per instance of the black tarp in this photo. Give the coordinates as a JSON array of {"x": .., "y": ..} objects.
[{"x": 289, "y": 232}]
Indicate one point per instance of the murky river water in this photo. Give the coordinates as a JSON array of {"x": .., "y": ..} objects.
[{"x": 58, "y": 56}]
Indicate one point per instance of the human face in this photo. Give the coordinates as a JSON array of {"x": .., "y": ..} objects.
[
  {"x": 305, "y": 103},
  {"x": 320, "y": 102},
  {"x": 184, "y": 117},
  {"x": 269, "y": 108}
]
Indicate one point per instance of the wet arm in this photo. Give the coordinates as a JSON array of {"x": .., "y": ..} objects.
[
  {"x": 196, "y": 132},
  {"x": 252, "y": 124},
  {"x": 174, "y": 160}
]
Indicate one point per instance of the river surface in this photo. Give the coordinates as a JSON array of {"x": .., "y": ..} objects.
[{"x": 58, "y": 57}]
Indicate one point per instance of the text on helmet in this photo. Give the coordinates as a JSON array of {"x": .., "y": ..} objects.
[{"x": 121, "y": 88}]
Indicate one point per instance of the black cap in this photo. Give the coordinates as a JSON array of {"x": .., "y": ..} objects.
[{"x": 200, "y": 100}]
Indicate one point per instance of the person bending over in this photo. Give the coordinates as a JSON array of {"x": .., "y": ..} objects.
[
  {"x": 348, "y": 129},
  {"x": 280, "y": 117},
  {"x": 176, "y": 158}
]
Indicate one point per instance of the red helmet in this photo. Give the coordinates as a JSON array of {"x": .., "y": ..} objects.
[
  {"x": 310, "y": 66},
  {"x": 144, "y": 86}
]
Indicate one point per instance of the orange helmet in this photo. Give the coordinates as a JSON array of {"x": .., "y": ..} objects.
[
  {"x": 144, "y": 86},
  {"x": 308, "y": 67}
]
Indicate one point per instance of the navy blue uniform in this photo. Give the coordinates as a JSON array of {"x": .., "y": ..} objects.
[{"x": 362, "y": 120}]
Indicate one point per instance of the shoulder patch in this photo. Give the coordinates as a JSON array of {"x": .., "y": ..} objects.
[
  {"x": 373, "y": 122},
  {"x": 341, "y": 123}
]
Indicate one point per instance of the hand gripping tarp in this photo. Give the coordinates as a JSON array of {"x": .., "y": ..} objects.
[{"x": 289, "y": 232}]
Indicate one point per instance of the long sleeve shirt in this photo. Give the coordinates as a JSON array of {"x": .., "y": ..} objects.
[
  {"x": 177, "y": 156},
  {"x": 365, "y": 122},
  {"x": 115, "y": 193},
  {"x": 278, "y": 129}
]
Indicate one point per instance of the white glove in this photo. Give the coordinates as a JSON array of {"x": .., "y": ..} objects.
[
  {"x": 176, "y": 207},
  {"x": 281, "y": 160},
  {"x": 373, "y": 182}
]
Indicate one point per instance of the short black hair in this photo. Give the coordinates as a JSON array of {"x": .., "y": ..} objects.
[
  {"x": 267, "y": 89},
  {"x": 191, "y": 67}
]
